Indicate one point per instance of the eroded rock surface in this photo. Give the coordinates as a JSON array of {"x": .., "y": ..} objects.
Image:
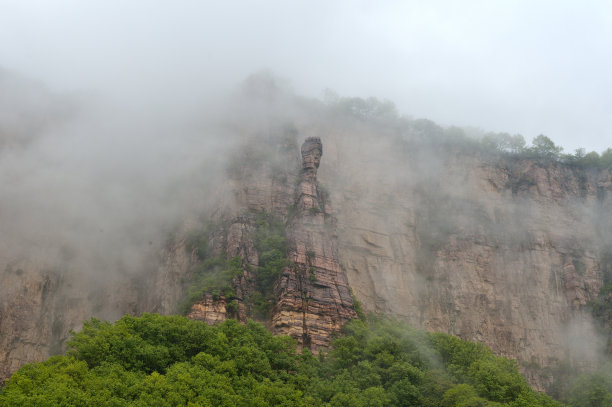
[
  {"x": 313, "y": 296},
  {"x": 40, "y": 306},
  {"x": 505, "y": 252},
  {"x": 210, "y": 310}
]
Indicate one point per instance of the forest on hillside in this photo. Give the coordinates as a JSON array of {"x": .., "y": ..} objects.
[{"x": 167, "y": 361}]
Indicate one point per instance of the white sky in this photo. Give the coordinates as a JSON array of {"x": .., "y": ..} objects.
[{"x": 526, "y": 67}]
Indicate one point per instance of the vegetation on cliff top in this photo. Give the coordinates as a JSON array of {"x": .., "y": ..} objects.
[
  {"x": 173, "y": 361},
  {"x": 422, "y": 132}
]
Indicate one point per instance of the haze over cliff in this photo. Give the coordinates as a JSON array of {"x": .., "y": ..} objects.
[{"x": 429, "y": 224}]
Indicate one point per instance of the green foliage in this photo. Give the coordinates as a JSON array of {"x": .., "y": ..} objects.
[
  {"x": 579, "y": 266},
  {"x": 503, "y": 143},
  {"x": 462, "y": 395},
  {"x": 582, "y": 159},
  {"x": 214, "y": 275},
  {"x": 415, "y": 135},
  {"x": 563, "y": 373},
  {"x": 362, "y": 109},
  {"x": 312, "y": 276},
  {"x": 162, "y": 361},
  {"x": 358, "y": 308},
  {"x": 606, "y": 265},
  {"x": 231, "y": 308},
  {"x": 543, "y": 147},
  {"x": 270, "y": 242},
  {"x": 518, "y": 180},
  {"x": 593, "y": 389},
  {"x": 605, "y": 160},
  {"x": 173, "y": 361},
  {"x": 493, "y": 378},
  {"x": 211, "y": 274},
  {"x": 196, "y": 242},
  {"x": 314, "y": 210},
  {"x": 417, "y": 369}
]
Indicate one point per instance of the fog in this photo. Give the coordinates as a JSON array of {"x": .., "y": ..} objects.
[
  {"x": 94, "y": 183},
  {"x": 513, "y": 66},
  {"x": 118, "y": 120}
]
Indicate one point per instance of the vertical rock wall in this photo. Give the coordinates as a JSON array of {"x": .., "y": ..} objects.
[
  {"x": 40, "y": 304},
  {"x": 313, "y": 296},
  {"x": 504, "y": 252}
]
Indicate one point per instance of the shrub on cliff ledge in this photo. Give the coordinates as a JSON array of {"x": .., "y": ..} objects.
[
  {"x": 270, "y": 242},
  {"x": 213, "y": 275}
]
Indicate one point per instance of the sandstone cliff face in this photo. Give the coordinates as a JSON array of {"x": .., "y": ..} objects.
[
  {"x": 235, "y": 240},
  {"x": 505, "y": 252},
  {"x": 498, "y": 250},
  {"x": 22, "y": 338},
  {"x": 40, "y": 304},
  {"x": 312, "y": 299},
  {"x": 210, "y": 310}
]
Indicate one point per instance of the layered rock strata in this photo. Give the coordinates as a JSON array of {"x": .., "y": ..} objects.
[
  {"x": 507, "y": 252},
  {"x": 504, "y": 252},
  {"x": 209, "y": 309},
  {"x": 312, "y": 296},
  {"x": 313, "y": 299},
  {"x": 234, "y": 241}
]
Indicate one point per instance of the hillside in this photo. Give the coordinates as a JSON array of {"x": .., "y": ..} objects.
[
  {"x": 173, "y": 361},
  {"x": 429, "y": 225}
]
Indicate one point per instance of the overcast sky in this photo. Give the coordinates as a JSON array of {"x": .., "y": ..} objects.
[{"x": 526, "y": 67}]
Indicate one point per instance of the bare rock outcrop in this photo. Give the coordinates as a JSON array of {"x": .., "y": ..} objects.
[
  {"x": 234, "y": 240},
  {"x": 40, "y": 304},
  {"x": 313, "y": 295},
  {"x": 209, "y": 309},
  {"x": 504, "y": 252},
  {"x": 312, "y": 299}
]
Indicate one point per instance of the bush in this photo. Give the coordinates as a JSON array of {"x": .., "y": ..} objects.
[{"x": 174, "y": 361}]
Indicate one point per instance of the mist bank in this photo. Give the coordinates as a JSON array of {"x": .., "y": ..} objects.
[
  {"x": 454, "y": 230},
  {"x": 84, "y": 175},
  {"x": 97, "y": 184}
]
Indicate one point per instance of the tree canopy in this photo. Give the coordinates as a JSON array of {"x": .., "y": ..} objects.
[{"x": 158, "y": 360}]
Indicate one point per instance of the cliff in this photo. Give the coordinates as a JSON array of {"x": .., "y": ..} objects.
[
  {"x": 495, "y": 248},
  {"x": 500, "y": 250},
  {"x": 310, "y": 298},
  {"x": 40, "y": 304},
  {"x": 313, "y": 298}
]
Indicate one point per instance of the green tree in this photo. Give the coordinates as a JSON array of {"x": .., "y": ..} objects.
[
  {"x": 504, "y": 143},
  {"x": 173, "y": 361},
  {"x": 544, "y": 147}
]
